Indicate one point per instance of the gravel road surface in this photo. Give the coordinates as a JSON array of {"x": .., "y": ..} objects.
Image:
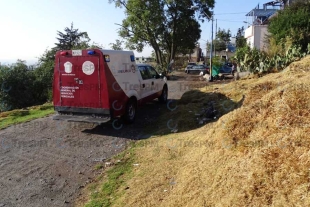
[{"x": 47, "y": 163}]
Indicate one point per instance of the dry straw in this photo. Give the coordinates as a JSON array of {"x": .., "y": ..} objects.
[{"x": 259, "y": 157}]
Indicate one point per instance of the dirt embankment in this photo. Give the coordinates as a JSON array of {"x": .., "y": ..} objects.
[{"x": 256, "y": 155}]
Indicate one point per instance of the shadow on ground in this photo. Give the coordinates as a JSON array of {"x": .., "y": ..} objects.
[
  {"x": 182, "y": 115},
  {"x": 192, "y": 112}
]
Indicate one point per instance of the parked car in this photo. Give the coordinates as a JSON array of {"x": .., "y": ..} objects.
[
  {"x": 189, "y": 65},
  {"x": 198, "y": 68},
  {"x": 96, "y": 86}
]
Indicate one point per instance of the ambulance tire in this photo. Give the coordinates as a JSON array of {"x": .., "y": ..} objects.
[
  {"x": 130, "y": 113},
  {"x": 164, "y": 95}
]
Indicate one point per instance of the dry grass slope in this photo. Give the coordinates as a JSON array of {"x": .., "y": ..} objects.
[{"x": 256, "y": 155}]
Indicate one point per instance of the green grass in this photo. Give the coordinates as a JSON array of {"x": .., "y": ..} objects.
[
  {"x": 114, "y": 181},
  {"x": 98, "y": 166},
  {"x": 23, "y": 115}
]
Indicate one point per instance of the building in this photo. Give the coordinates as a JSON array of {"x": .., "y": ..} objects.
[
  {"x": 257, "y": 30},
  {"x": 195, "y": 56},
  {"x": 225, "y": 54},
  {"x": 256, "y": 33},
  {"x": 256, "y": 36}
]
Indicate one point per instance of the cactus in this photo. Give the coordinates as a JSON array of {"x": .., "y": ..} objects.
[{"x": 256, "y": 61}]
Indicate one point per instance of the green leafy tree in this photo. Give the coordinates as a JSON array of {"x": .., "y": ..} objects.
[
  {"x": 182, "y": 30},
  {"x": 240, "y": 39},
  {"x": 118, "y": 45},
  {"x": 223, "y": 35},
  {"x": 169, "y": 27},
  {"x": 95, "y": 45},
  {"x": 72, "y": 39},
  {"x": 221, "y": 40},
  {"x": 292, "y": 23},
  {"x": 218, "y": 45},
  {"x": 18, "y": 86},
  {"x": 44, "y": 74}
]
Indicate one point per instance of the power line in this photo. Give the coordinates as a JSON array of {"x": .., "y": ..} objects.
[
  {"x": 226, "y": 20},
  {"x": 232, "y": 13}
]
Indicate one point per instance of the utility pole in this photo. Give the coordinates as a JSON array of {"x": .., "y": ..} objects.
[
  {"x": 215, "y": 35},
  {"x": 211, "y": 47},
  {"x": 211, "y": 77}
]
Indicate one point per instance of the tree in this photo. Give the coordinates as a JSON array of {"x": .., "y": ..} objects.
[
  {"x": 240, "y": 39},
  {"x": 18, "y": 86},
  {"x": 292, "y": 24},
  {"x": 223, "y": 35},
  {"x": 117, "y": 45},
  {"x": 221, "y": 40},
  {"x": 169, "y": 27},
  {"x": 95, "y": 45},
  {"x": 218, "y": 45},
  {"x": 72, "y": 39}
]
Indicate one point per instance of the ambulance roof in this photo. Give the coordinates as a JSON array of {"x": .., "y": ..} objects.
[{"x": 116, "y": 51}]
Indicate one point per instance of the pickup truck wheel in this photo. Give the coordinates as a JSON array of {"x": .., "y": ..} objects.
[
  {"x": 130, "y": 113},
  {"x": 164, "y": 95}
]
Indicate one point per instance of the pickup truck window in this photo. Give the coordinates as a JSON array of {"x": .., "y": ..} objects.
[
  {"x": 144, "y": 72},
  {"x": 152, "y": 72}
]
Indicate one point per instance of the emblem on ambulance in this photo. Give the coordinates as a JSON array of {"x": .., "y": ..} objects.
[
  {"x": 133, "y": 68},
  {"x": 88, "y": 67},
  {"x": 68, "y": 67}
]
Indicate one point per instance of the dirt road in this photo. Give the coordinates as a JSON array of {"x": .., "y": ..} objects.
[{"x": 46, "y": 163}]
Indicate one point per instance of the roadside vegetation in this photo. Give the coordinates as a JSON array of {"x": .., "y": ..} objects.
[
  {"x": 111, "y": 186},
  {"x": 17, "y": 116},
  {"x": 288, "y": 41},
  {"x": 255, "y": 154}
]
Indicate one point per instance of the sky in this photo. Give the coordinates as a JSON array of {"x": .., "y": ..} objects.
[{"x": 30, "y": 27}]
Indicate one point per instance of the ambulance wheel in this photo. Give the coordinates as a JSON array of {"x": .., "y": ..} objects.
[
  {"x": 164, "y": 95},
  {"x": 130, "y": 113}
]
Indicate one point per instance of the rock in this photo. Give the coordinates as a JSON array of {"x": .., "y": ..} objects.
[
  {"x": 107, "y": 164},
  {"x": 99, "y": 159},
  {"x": 135, "y": 164},
  {"x": 66, "y": 201},
  {"x": 239, "y": 75}
]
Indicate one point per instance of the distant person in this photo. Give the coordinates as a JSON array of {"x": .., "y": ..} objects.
[{"x": 170, "y": 66}]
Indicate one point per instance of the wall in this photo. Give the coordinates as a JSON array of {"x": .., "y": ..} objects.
[{"x": 256, "y": 35}]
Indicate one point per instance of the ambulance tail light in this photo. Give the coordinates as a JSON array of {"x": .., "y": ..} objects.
[{"x": 91, "y": 52}]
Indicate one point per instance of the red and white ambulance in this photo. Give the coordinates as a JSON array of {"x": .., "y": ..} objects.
[{"x": 99, "y": 85}]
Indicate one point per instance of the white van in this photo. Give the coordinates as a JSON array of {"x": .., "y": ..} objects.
[{"x": 99, "y": 85}]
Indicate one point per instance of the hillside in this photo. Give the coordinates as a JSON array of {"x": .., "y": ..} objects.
[{"x": 255, "y": 155}]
